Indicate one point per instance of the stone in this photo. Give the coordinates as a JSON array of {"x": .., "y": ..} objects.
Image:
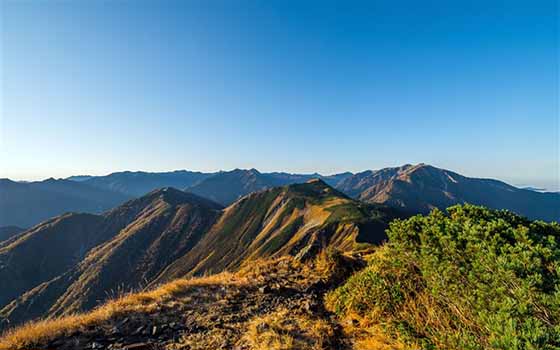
[{"x": 139, "y": 346}]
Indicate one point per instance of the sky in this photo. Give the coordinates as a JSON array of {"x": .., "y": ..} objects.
[{"x": 93, "y": 87}]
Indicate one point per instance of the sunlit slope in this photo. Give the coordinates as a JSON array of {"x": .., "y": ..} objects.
[{"x": 295, "y": 220}]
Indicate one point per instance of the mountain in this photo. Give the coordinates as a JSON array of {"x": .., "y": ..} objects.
[
  {"x": 138, "y": 183},
  {"x": 420, "y": 188},
  {"x": 26, "y": 204},
  {"x": 296, "y": 220},
  {"x": 227, "y": 186},
  {"x": 231, "y": 185},
  {"x": 9, "y": 231},
  {"x": 80, "y": 259},
  {"x": 287, "y": 178},
  {"x": 79, "y": 178}
]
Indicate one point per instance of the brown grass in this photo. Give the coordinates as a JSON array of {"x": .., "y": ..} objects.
[
  {"x": 45, "y": 330},
  {"x": 287, "y": 330},
  {"x": 283, "y": 331}
]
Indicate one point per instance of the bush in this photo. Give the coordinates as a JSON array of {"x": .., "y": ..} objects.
[{"x": 473, "y": 279}]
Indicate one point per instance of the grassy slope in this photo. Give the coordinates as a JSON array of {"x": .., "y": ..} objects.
[
  {"x": 291, "y": 220},
  {"x": 287, "y": 316}
]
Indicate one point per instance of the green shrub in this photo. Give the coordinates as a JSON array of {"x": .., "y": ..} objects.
[{"x": 473, "y": 279}]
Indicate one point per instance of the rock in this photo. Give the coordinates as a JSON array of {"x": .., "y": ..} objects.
[
  {"x": 139, "y": 346},
  {"x": 154, "y": 330},
  {"x": 264, "y": 289},
  {"x": 138, "y": 330}
]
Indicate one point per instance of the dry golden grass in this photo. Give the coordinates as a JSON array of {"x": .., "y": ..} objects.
[
  {"x": 366, "y": 334},
  {"x": 45, "y": 330},
  {"x": 287, "y": 330},
  {"x": 284, "y": 331}
]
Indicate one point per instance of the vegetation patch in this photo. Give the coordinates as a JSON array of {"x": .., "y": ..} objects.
[
  {"x": 288, "y": 330},
  {"x": 473, "y": 279}
]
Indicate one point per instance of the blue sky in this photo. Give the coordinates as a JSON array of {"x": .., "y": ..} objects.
[{"x": 92, "y": 87}]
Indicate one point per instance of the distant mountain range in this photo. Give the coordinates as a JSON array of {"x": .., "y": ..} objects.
[
  {"x": 223, "y": 187},
  {"x": 214, "y": 222},
  {"x": 415, "y": 188},
  {"x": 78, "y": 258},
  {"x": 26, "y": 204},
  {"x": 421, "y": 188}
]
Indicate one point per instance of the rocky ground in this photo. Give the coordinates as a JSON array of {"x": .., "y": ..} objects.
[{"x": 282, "y": 303}]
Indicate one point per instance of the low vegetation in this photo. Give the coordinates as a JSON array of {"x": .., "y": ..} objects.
[{"x": 473, "y": 279}]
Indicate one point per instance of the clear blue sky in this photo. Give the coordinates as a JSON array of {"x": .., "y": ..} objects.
[{"x": 92, "y": 87}]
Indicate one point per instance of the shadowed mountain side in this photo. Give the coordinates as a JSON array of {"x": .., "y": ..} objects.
[
  {"x": 139, "y": 183},
  {"x": 152, "y": 232},
  {"x": 228, "y": 186},
  {"x": 46, "y": 251},
  {"x": 296, "y": 220}
]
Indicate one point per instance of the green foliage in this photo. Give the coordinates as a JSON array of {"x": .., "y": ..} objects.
[{"x": 473, "y": 279}]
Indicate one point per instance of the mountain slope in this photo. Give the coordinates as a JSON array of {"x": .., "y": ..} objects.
[
  {"x": 295, "y": 220},
  {"x": 169, "y": 233},
  {"x": 142, "y": 237},
  {"x": 420, "y": 188},
  {"x": 227, "y": 186},
  {"x": 46, "y": 251},
  {"x": 27, "y": 204},
  {"x": 139, "y": 183}
]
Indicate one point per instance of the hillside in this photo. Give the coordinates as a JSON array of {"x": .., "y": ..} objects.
[
  {"x": 295, "y": 220},
  {"x": 272, "y": 305},
  {"x": 169, "y": 233},
  {"x": 134, "y": 243},
  {"x": 27, "y": 204},
  {"x": 228, "y": 186},
  {"x": 420, "y": 188},
  {"x": 472, "y": 279}
]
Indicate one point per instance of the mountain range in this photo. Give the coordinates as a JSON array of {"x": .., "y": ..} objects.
[
  {"x": 169, "y": 233},
  {"x": 26, "y": 204},
  {"x": 414, "y": 188},
  {"x": 94, "y": 237}
]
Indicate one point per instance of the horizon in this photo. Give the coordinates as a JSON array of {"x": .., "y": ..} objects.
[
  {"x": 526, "y": 186},
  {"x": 93, "y": 87}
]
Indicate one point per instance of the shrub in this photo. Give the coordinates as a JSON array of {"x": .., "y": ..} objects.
[{"x": 473, "y": 279}]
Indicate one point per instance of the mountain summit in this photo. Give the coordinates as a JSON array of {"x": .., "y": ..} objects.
[{"x": 420, "y": 188}]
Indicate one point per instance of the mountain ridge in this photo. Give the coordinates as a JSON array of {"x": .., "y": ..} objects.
[{"x": 161, "y": 235}]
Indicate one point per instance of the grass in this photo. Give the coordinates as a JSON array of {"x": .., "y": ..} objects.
[
  {"x": 288, "y": 330},
  {"x": 44, "y": 330},
  {"x": 256, "y": 273}
]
